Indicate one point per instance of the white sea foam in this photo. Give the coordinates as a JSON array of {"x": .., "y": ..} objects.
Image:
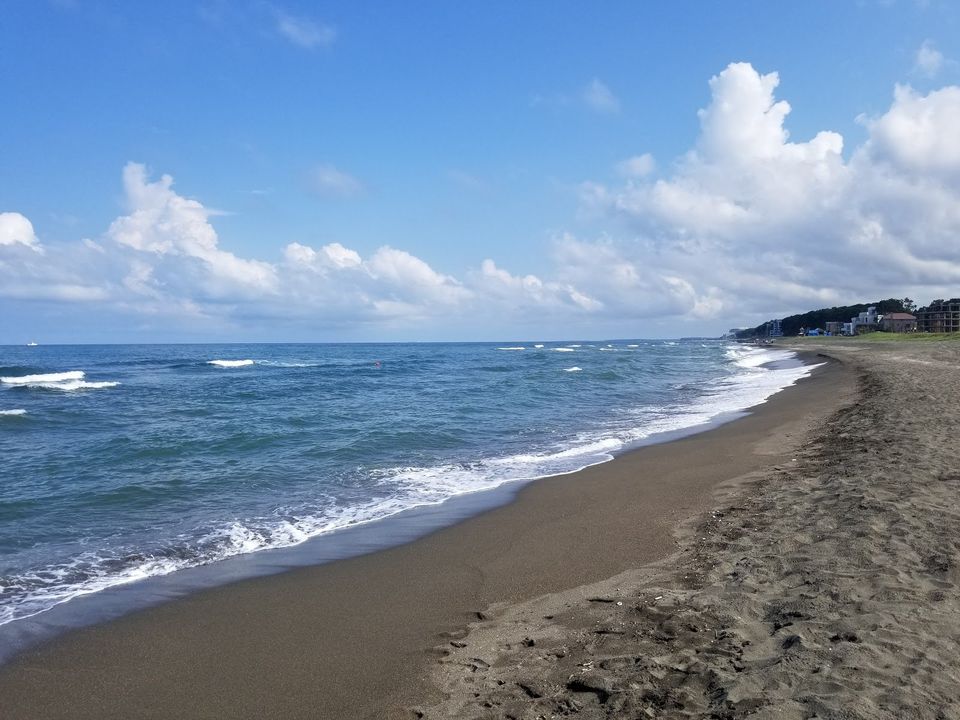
[
  {"x": 572, "y": 369},
  {"x": 45, "y": 378},
  {"x": 71, "y": 380},
  {"x": 538, "y": 346},
  {"x": 13, "y": 413},
  {"x": 633, "y": 346},
  {"x": 563, "y": 349},
  {"x": 751, "y": 381},
  {"x": 576, "y": 346},
  {"x": 519, "y": 347},
  {"x": 747, "y": 356},
  {"x": 77, "y": 385},
  {"x": 283, "y": 364},
  {"x": 230, "y": 363}
]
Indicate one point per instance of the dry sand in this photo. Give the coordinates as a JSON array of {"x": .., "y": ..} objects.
[
  {"x": 362, "y": 637},
  {"x": 825, "y": 587}
]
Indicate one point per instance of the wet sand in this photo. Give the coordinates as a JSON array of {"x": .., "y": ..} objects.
[
  {"x": 827, "y": 586},
  {"x": 383, "y": 635}
]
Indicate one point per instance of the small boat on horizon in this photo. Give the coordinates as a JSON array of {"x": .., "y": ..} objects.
[{"x": 31, "y": 344}]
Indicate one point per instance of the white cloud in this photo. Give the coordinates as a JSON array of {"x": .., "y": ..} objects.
[
  {"x": 928, "y": 60},
  {"x": 920, "y": 134},
  {"x": 600, "y": 98},
  {"x": 305, "y": 32},
  {"x": 15, "y": 229},
  {"x": 517, "y": 295},
  {"x": 335, "y": 284},
  {"x": 330, "y": 257},
  {"x": 748, "y": 224},
  {"x": 751, "y": 222},
  {"x": 637, "y": 166},
  {"x": 328, "y": 181},
  {"x": 166, "y": 225},
  {"x": 410, "y": 278}
]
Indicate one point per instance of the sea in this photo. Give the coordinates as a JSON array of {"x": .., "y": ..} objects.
[{"x": 122, "y": 464}]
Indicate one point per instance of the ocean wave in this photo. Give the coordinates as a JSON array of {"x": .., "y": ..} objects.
[
  {"x": 750, "y": 357},
  {"x": 44, "y": 378},
  {"x": 282, "y": 364},
  {"x": 750, "y": 381},
  {"x": 518, "y": 347},
  {"x": 70, "y": 380},
  {"x": 13, "y": 413},
  {"x": 633, "y": 346},
  {"x": 573, "y": 369},
  {"x": 538, "y": 346},
  {"x": 563, "y": 349},
  {"x": 230, "y": 363}
]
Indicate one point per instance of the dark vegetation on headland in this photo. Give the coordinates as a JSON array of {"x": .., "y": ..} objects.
[{"x": 792, "y": 324}]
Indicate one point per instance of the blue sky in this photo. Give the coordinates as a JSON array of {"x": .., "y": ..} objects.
[{"x": 470, "y": 160}]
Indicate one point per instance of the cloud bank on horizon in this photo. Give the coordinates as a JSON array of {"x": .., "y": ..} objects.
[{"x": 746, "y": 224}]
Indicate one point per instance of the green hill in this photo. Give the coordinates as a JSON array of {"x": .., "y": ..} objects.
[{"x": 819, "y": 318}]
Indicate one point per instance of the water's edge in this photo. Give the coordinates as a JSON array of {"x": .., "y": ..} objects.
[{"x": 362, "y": 539}]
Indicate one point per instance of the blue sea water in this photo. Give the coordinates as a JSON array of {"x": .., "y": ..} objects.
[{"x": 125, "y": 462}]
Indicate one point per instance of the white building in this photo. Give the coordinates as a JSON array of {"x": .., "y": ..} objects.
[{"x": 867, "y": 319}]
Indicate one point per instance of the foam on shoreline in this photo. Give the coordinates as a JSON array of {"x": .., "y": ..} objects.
[{"x": 407, "y": 487}]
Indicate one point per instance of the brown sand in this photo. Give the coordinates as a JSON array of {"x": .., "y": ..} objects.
[
  {"x": 358, "y": 638},
  {"x": 823, "y": 588}
]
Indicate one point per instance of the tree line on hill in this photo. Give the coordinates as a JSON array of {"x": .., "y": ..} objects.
[{"x": 792, "y": 324}]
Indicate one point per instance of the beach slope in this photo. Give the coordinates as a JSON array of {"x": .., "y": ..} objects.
[
  {"x": 360, "y": 637},
  {"x": 825, "y": 586}
]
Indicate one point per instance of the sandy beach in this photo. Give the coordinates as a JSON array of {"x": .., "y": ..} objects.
[
  {"x": 513, "y": 613},
  {"x": 825, "y": 586}
]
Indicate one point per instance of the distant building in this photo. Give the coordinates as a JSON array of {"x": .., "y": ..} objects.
[
  {"x": 774, "y": 329},
  {"x": 865, "y": 322},
  {"x": 899, "y": 322},
  {"x": 940, "y": 316},
  {"x": 834, "y": 327}
]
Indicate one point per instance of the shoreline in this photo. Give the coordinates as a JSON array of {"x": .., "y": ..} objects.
[
  {"x": 826, "y": 586},
  {"x": 354, "y": 637},
  {"x": 113, "y": 602}
]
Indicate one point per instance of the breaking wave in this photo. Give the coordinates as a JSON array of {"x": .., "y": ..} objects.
[
  {"x": 747, "y": 376},
  {"x": 71, "y": 380},
  {"x": 230, "y": 363}
]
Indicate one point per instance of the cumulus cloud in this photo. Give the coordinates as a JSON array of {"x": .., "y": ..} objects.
[
  {"x": 305, "y": 32},
  {"x": 15, "y": 229},
  {"x": 517, "y": 294},
  {"x": 166, "y": 226},
  {"x": 29, "y": 272},
  {"x": 599, "y": 97},
  {"x": 918, "y": 136},
  {"x": 752, "y": 222},
  {"x": 164, "y": 257}
]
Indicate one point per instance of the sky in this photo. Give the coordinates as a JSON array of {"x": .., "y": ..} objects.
[{"x": 206, "y": 171}]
